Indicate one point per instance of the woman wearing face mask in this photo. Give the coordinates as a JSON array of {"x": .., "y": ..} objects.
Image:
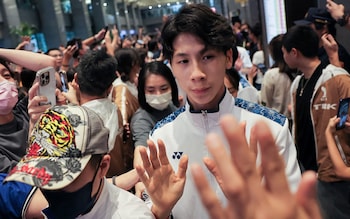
[
  {"x": 158, "y": 97},
  {"x": 14, "y": 121}
]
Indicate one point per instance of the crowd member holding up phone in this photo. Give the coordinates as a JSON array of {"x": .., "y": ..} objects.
[
  {"x": 339, "y": 159},
  {"x": 315, "y": 99},
  {"x": 14, "y": 118},
  {"x": 198, "y": 43}
]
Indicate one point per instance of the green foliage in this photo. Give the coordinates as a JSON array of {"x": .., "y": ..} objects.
[{"x": 24, "y": 29}]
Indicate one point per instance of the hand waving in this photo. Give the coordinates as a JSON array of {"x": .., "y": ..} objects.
[
  {"x": 164, "y": 186},
  {"x": 247, "y": 197}
]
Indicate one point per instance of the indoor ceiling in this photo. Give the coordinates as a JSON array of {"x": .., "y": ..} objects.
[{"x": 146, "y": 3}]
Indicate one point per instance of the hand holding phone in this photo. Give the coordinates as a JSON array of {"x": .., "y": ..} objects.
[
  {"x": 47, "y": 85},
  {"x": 343, "y": 112}
]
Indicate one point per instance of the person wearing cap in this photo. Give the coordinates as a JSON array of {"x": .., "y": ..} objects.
[
  {"x": 68, "y": 159},
  {"x": 324, "y": 25}
]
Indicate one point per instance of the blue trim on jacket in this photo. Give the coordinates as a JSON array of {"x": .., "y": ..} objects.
[
  {"x": 168, "y": 118},
  {"x": 261, "y": 110}
]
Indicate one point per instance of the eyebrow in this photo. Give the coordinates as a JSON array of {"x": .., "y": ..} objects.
[{"x": 202, "y": 51}]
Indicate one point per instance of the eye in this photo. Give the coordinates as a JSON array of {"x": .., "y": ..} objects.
[
  {"x": 208, "y": 57},
  {"x": 182, "y": 61},
  {"x": 150, "y": 91},
  {"x": 164, "y": 88}
]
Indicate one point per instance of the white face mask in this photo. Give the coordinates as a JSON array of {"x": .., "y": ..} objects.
[{"x": 159, "y": 102}]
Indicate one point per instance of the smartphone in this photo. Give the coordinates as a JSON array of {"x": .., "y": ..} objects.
[
  {"x": 47, "y": 85},
  {"x": 343, "y": 111}
]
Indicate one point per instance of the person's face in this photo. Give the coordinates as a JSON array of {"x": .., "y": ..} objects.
[
  {"x": 230, "y": 87},
  {"x": 156, "y": 85},
  {"x": 200, "y": 71},
  {"x": 4, "y": 72},
  {"x": 87, "y": 175},
  {"x": 289, "y": 57},
  {"x": 57, "y": 54}
]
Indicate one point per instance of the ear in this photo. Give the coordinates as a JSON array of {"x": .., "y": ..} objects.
[
  {"x": 294, "y": 52},
  {"x": 76, "y": 78},
  {"x": 104, "y": 165},
  {"x": 229, "y": 59}
]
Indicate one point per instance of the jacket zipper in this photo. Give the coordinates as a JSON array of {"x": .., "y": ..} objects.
[{"x": 205, "y": 120}]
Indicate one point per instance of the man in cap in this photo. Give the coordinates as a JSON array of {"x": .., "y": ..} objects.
[
  {"x": 67, "y": 159},
  {"x": 322, "y": 22}
]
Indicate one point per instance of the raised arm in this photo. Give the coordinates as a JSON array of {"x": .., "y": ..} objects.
[{"x": 31, "y": 60}]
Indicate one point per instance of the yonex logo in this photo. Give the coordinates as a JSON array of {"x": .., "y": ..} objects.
[{"x": 177, "y": 155}]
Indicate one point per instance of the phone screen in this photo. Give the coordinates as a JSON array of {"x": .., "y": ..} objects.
[{"x": 343, "y": 112}]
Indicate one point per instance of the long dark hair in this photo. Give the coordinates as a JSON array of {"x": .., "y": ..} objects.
[
  {"x": 156, "y": 68},
  {"x": 275, "y": 48}
]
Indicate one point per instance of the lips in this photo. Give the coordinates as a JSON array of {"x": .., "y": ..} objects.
[{"x": 200, "y": 90}]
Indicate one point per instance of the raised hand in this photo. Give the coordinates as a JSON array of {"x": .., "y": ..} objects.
[
  {"x": 248, "y": 197},
  {"x": 163, "y": 185}
]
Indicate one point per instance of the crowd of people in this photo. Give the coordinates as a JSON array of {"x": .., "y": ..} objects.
[{"x": 186, "y": 123}]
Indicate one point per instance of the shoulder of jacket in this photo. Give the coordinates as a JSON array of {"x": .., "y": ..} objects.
[
  {"x": 261, "y": 110},
  {"x": 170, "y": 118}
]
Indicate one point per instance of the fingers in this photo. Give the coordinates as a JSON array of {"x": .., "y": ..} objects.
[
  {"x": 33, "y": 90},
  {"x": 142, "y": 174},
  {"x": 207, "y": 195},
  {"x": 306, "y": 195},
  {"x": 181, "y": 172},
  {"x": 34, "y": 108},
  {"x": 154, "y": 154},
  {"x": 162, "y": 153},
  {"x": 242, "y": 156},
  {"x": 271, "y": 162},
  {"x": 233, "y": 189},
  {"x": 253, "y": 143},
  {"x": 145, "y": 160}
]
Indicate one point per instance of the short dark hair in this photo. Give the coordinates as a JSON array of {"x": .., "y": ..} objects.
[
  {"x": 302, "y": 38},
  {"x": 5, "y": 63},
  {"x": 235, "y": 54},
  {"x": 198, "y": 19},
  {"x": 127, "y": 58},
  {"x": 156, "y": 68},
  {"x": 96, "y": 73},
  {"x": 52, "y": 49}
]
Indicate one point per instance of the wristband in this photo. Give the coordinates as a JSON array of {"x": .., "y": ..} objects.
[
  {"x": 65, "y": 65},
  {"x": 344, "y": 20}
]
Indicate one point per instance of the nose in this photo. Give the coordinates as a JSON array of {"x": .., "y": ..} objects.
[{"x": 197, "y": 73}]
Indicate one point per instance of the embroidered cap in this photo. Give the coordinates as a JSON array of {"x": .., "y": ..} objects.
[
  {"x": 316, "y": 15},
  {"x": 60, "y": 146}
]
